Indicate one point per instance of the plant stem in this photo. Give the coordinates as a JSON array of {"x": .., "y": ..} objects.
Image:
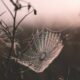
[{"x": 13, "y": 36}]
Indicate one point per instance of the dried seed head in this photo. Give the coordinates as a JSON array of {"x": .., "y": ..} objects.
[
  {"x": 35, "y": 12},
  {"x": 29, "y": 6}
]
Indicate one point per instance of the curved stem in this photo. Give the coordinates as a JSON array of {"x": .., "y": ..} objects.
[{"x": 23, "y": 19}]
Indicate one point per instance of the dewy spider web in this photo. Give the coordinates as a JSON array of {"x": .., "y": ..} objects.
[{"x": 44, "y": 47}]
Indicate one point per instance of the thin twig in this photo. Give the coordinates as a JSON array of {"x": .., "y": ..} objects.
[
  {"x": 2, "y": 13},
  {"x": 7, "y": 29},
  {"x": 6, "y": 33},
  {"x": 14, "y": 4},
  {"x": 7, "y": 8},
  {"x": 24, "y": 6},
  {"x": 23, "y": 19},
  {"x": 27, "y": 3}
]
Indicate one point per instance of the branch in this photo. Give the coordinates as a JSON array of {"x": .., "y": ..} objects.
[
  {"x": 2, "y": 13},
  {"x": 7, "y": 27},
  {"x": 7, "y": 8},
  {"x": 4, "y": 29},
  {"x": 7, "y": 34},
  {"x": 23, "y": 19},
  {"x": 13, "y": 2}
]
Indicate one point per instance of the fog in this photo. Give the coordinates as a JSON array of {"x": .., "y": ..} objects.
[{"x": 49, "y": 12}]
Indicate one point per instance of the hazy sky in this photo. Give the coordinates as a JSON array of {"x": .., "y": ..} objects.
[{"x": 58, "y": 12}]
